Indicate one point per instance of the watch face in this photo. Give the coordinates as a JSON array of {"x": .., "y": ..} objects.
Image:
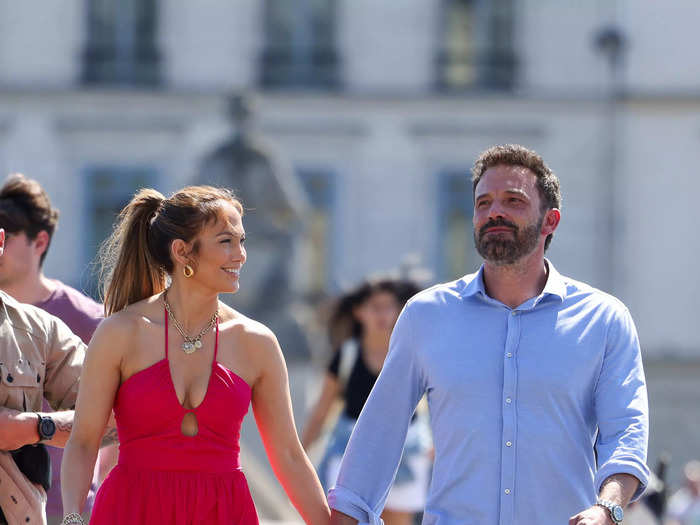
[
  {"x": 617, "y": 513},
  {"x": 48, "y": 427}
]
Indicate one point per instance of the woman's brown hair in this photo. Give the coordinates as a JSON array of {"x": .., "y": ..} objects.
[{"x": 135, "y": 259}]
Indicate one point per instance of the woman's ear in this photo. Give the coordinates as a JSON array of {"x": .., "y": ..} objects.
[{"x": 181, "y": 251}]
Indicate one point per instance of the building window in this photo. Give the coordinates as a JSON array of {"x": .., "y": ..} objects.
[
  {"x": 108, "y": 190},
  {"x": 300, "y": 48},
  {"x": 456, "y": 253},
  {"x": 121, "y": 43},
  {"x": 476, "y": 46},
  {"x": 320, "y": 191}
]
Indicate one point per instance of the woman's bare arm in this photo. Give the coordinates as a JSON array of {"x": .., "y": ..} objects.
[
  {"x": 99, "y": 382},
  {"x": 272, "y": 407}
]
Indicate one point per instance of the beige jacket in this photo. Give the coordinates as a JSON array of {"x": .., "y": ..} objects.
[{"x": 39, "y": 358}]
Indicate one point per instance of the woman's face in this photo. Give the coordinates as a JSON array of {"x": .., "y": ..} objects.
[
  {"x": 221, "y": 253},
  {"x": 378, "y": 314}
]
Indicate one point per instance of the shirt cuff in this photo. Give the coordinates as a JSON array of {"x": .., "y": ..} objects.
[
  {"x": 347, "y": 502},
  {"x": 624, "y": 466}
]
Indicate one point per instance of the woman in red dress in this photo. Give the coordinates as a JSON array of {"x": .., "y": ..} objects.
[{"x": 180, "y": 369}]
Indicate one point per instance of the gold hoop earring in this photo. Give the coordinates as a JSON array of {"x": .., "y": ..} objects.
[{"x": 188, "y": 271}]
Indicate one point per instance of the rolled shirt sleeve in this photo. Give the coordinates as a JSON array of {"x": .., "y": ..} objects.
[
  {"x": 64, "y": 362},
  {"x": 374, "y": 450},
  {"x": 621, "y": 406}
]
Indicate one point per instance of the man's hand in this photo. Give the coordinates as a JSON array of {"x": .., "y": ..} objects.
[
  {"x": 595, "y": 515},
  {"x": 617, "y": 489},
  {"x": 17, "y": 429}
]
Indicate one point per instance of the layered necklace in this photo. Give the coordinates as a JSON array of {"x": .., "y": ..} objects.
[{"x": 190, "y": 343}]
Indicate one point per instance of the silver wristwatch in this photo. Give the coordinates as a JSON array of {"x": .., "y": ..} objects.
[{"x": 616, "y": 512}]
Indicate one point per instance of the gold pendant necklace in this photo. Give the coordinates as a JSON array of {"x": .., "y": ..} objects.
[{"x": 190, "y": 343}]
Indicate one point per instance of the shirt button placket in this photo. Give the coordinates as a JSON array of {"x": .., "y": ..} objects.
[{"x": 509, "y": 418}]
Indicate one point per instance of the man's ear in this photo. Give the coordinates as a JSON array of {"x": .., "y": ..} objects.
[
  {"x": 2, "y": 240},
  {"x": 551, "y": 221},
  {"x": 41, "y": 242}
]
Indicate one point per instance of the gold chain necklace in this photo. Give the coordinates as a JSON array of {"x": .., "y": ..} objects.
[{"x": 191, "y": 343}]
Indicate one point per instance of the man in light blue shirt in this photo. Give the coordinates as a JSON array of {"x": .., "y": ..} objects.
[{"x": 534, "y": 381}]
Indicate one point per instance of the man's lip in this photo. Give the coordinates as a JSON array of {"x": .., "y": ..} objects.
[{"x": 497, "y": 229}]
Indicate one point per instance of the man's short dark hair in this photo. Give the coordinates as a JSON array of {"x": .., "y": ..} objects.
[
  {"x": 517, "y": 155},
  {"x": 25, "y": 207}
]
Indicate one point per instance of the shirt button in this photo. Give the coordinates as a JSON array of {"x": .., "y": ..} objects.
[
  {"x": 508, "y": 400},
  {"x": 509, "y": 444},
  {"x": 514, "y": 312},
  {"x": 509, "y": 354},
  {"x": 507, "y": 491}
]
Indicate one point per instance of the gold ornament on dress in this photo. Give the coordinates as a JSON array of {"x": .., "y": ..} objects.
[{"x": 190, "y": 343}]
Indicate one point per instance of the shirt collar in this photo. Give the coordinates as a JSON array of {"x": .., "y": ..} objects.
[
  {"x": 555, "y": 284},
  {"x": 3, "y": 310}
]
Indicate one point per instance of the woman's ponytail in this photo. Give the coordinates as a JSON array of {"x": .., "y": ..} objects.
[{"x": 129, "y": 272}]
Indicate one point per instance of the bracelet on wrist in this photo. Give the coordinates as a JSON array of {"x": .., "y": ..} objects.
[{"x": 72, "y": 519}]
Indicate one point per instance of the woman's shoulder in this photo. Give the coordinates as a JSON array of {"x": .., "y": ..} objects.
[
  {"x": 248, "y": 332},
  {"x": 130, "y": 320}
]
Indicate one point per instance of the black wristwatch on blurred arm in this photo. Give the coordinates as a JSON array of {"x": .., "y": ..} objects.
[{"x": 46, "y": 428}]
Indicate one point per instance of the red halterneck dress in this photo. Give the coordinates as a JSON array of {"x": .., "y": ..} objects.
[{"x": 165, "y": 477}]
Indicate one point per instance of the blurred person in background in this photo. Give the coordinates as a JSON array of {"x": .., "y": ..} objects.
[
  {"x": 29, "y": 221},
  {"x": 369, "y": 313},
  {"x": 684, "y": 505},
  {"x": 180, "y": 369},
  {"x": 535, "y": 385},
  {"x": 647, "y": 509}
]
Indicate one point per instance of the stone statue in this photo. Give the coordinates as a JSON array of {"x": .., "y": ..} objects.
[{"x": 275, "y": 208}]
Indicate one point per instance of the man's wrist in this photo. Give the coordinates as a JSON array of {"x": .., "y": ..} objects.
[
  {"x": 26, "y": 426},
  {"x": 612, "y": 509}
]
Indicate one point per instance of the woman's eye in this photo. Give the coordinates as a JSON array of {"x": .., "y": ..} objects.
[{"x": 242, "y": 240}]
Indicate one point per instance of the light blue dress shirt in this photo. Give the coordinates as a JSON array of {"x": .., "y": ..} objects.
[{"x": 531, "y": 408}]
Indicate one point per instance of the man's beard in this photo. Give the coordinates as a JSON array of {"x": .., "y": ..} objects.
[{"x": 502, "y": 251}]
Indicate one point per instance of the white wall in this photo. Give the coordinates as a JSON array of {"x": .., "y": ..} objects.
[
  {"x": 555, "y": 46},
  {"x": 210, "y": 44},
  {"x": 40, "y": 42},
  {"x": 387, "y": 46},
  {"x": 660, "y": 242},
  {"x": 662, "y": 45}
]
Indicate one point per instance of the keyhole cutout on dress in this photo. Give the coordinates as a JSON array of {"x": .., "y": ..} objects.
[{"x": 189, "y": 426}]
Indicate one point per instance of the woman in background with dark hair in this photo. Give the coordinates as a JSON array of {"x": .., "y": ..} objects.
[
  {"x": 361, "y": 326},
  {"x": 180, "y": 369}
]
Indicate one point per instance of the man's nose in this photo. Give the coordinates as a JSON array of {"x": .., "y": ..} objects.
[{"x": 496, "y": 211}]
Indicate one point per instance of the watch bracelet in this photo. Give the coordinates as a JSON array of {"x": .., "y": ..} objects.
[
  {"x": 72, "y": 519},
  {"x": 609, "y": 506}
]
